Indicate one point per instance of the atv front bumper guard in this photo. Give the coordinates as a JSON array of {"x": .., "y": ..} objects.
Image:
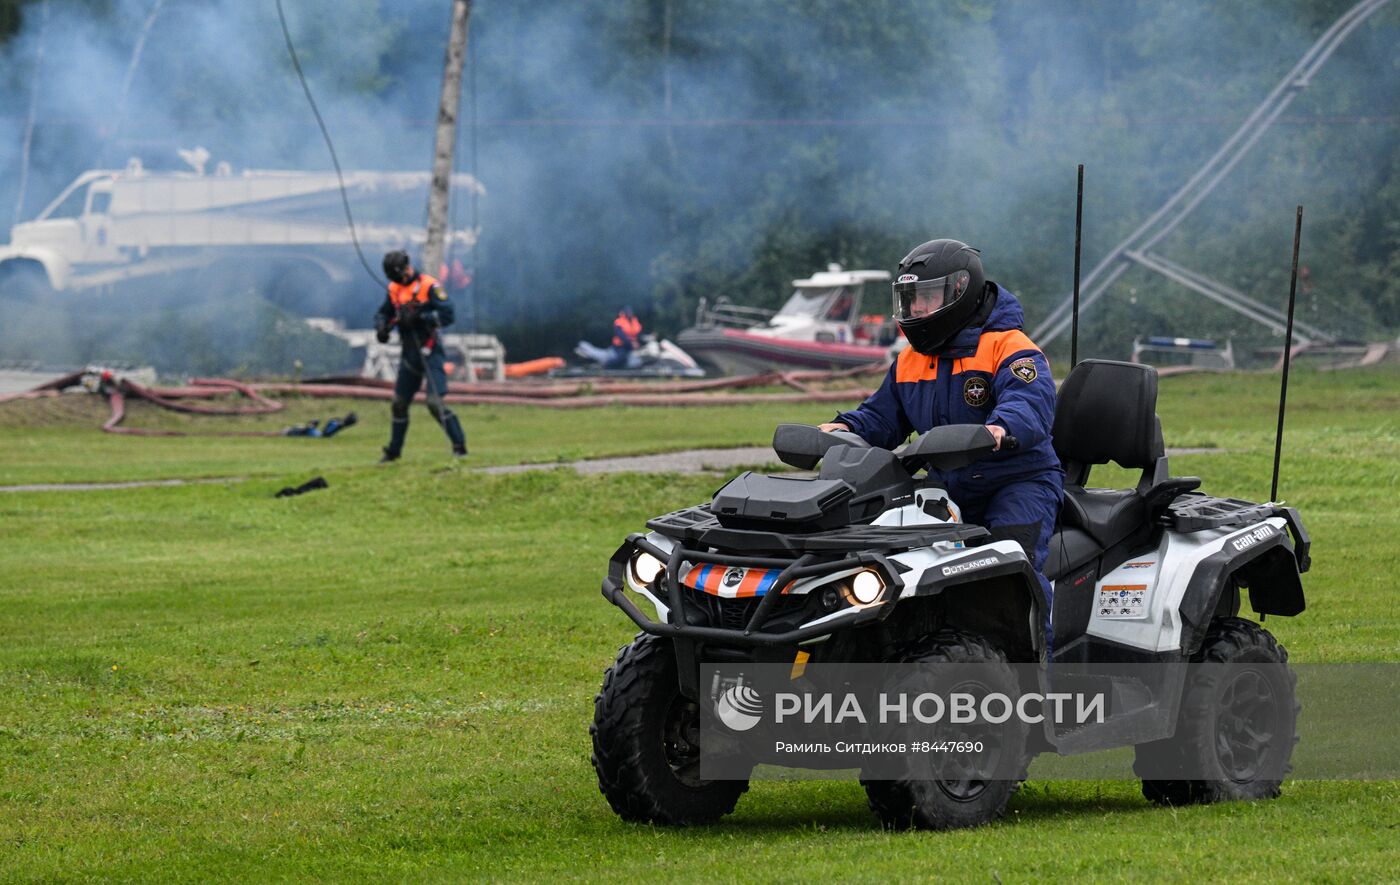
[{"x": 792, "y": 570}]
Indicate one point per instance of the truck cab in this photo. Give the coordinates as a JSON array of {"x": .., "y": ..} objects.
[{"x": 281, "y": 232}]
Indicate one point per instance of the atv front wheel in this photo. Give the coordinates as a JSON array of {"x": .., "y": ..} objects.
[
  {"x": 1237, "y": 726},
  {"x": 646, "y": 747},
  {"x": 968, "y": 793}
]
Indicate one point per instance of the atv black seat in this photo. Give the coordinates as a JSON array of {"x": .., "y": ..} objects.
[
  {"x": 1069, "y": 549},
  {"x": 1107, "y": 411}
]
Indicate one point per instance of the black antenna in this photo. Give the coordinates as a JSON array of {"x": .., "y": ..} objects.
[
  {"x": 1078, "y": 229},
  {"x": 1287, "y": 353}
]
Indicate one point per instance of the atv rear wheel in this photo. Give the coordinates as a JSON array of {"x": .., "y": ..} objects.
[
  {"x": 969, "y": 795},
  {"x": 1238, "y": 725},
  {"x": 646, "y": 742}
]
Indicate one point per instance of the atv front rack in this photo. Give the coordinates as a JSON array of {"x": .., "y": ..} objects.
[
  {"x": 792, "y": 569},
  {"x": 697, "y": 525}
]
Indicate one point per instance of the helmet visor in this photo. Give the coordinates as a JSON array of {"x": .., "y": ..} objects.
[{"x": 915, "y": 299}]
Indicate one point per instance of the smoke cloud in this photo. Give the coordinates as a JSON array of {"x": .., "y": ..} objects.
[{"x": 651, "y": 151}]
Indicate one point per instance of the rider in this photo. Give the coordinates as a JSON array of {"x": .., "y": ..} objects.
[
  {"x": 626, "y": 343},
  {"x": 968, "y": 361},
  {"x": 627, "y": 337},
  {"x": 419, "y": 307}
]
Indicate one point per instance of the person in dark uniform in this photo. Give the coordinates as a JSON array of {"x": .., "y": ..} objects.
[
  {"x": 627, "y": 337},
  {"x": 418, "y": 306},
  {"x": 969, "y": 362}
]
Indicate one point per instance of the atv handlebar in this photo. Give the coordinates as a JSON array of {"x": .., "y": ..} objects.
[{"x": 947, "y": 447}]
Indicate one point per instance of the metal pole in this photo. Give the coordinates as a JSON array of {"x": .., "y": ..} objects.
[
  {"x": 1287, "y": 353},
  {"x": 475, "y": 289},
  {"x": 119, "y": 117},
  {"x": 27, "y": 144},
  {"x": 1078, "y": 230},
  {"x": 446, "y": 141}
]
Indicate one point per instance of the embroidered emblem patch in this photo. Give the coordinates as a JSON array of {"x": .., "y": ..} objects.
[
  {"x": 976, "y": 391},
  {"x": 1024, "y": 369}
]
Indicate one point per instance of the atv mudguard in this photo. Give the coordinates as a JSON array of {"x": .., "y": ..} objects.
[
  {"x": 1261, "y": 557},
  {"x": 994, "y": 589}
]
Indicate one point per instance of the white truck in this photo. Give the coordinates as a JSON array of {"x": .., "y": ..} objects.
[{"x": 281, "y": 230}]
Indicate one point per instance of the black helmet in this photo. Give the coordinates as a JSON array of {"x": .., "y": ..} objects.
[
  {"x": 396, "y": 263},
  {"x": 937, "y": 291}
]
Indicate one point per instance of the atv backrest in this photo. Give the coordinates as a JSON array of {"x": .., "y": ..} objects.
[{"x": 1107, "y": 411}]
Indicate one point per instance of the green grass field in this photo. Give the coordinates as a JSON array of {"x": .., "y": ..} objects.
[{"x": 393, "y": 678}]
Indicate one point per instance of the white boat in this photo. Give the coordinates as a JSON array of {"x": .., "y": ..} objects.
[{"x": 822, "y": 326}]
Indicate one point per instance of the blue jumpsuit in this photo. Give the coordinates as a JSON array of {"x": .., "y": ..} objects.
[
  {"x": 418, "y": 331},
  {"x": 989, "y": 373}
]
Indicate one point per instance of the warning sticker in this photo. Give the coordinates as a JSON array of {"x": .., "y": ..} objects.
[{"x": 1122, "y": 601}]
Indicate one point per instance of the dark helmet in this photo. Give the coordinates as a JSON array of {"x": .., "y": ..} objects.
[
  {"x": 937, "y": 291},
  {"x": 396, "y": 264}
]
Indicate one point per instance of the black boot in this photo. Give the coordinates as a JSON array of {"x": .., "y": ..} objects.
[
  {"x": 454, "y": 433},
  {"x": 388, "y": 456}
]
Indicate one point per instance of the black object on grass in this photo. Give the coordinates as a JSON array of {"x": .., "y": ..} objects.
[{"x": 308, "y": 486}]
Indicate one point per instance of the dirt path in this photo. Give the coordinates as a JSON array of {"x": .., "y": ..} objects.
[
  {"x": 104, "y": 486},
  {"x": 690, "y": 461},
  {"x": 699, "y": 461}
]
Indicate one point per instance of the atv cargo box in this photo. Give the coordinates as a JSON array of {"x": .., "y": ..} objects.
[{"x": 870, "y": 482}]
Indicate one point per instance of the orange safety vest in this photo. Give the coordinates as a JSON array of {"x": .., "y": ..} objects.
[
  {"x": 630, "y": 326},
  {"x": 418, "y": 290}
]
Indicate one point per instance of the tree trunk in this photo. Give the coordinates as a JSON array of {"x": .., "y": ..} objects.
[{"x": 446, "y": 141}]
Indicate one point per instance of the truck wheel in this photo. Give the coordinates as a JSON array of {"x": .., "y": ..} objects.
[
  {"x": 24, "y": 281},
  {"x": 1237, "y": 726},
  {"x": 646, "y": 742},
  {"x": 973, "y": 790}
]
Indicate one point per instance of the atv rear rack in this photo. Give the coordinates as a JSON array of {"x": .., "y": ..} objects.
[
  {"x": 1196, "y": 511},
  {"x": 696, "y": 525}
]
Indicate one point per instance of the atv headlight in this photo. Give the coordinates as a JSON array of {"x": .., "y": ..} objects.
[
  {"x": 865, "y": 588},
  {"x": 645, "y": 568}
]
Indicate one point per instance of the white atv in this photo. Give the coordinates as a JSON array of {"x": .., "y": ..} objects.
[{"x": 867, "y": 562}]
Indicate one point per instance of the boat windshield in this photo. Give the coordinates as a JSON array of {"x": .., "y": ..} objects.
[{"x": 809, "y": 301}]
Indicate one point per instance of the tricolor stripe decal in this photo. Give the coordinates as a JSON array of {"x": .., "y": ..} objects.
[{"x": 709, "y": 578}]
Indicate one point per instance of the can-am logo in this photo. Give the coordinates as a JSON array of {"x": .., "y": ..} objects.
[
  {"x": 1246, "y": 541},
  {"x": 959, "y": 568},
  {"x": 739, "y": 707}
]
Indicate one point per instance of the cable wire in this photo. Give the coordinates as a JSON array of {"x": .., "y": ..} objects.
[
  {"x": 345, "y": 200},
  {"x": 335, "y": 161}
]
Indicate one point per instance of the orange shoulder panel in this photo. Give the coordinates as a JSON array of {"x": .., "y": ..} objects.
[
  {"x": 914, "y": 366},
  {"x": 994, "y": 347}
]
